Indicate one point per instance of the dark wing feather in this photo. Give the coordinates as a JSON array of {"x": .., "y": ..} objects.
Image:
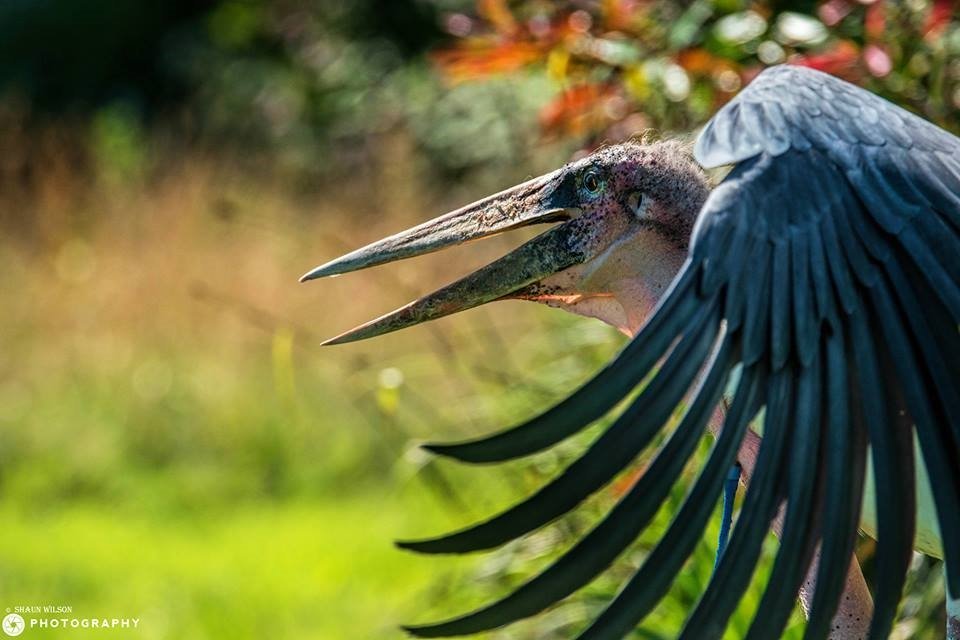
[
  {"x": 845, "y": 445},
  {"x": 893, "y": 465},
  {"x": 764, "y": 494},
  {"x": 804, "y": 484},
  {"x": 826, "y": 267}
]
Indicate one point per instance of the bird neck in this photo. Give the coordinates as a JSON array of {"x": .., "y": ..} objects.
[{"x": 621, "y": 290}]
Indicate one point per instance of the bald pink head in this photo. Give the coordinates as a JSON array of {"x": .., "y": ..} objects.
[{"x": 640, "y": 205}]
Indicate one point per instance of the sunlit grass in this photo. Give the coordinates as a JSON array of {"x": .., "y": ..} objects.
[{"x": 322, "y": 569}]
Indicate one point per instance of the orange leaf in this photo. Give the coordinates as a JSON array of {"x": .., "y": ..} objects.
[
  {"x": 474, "y": 59},
  {"x": 619, "y": 14},
  {"x": 875, "y": 21},
  {"x": 701, "y": 62},
  {"x": 577, "y": 110},
  {"x": 497, "y": 13}
]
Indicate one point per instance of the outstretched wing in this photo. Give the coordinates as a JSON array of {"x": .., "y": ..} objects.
[{"x": 826, "y": 268}]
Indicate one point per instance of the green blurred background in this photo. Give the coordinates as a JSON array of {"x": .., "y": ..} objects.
[{"x": 175, "y": 445}]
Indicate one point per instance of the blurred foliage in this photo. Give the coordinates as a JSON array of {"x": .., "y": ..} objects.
[
  {"x": 72, "y": 54},
  {"x": 78, "y": 54},
  {"x": 295, "y": 75},
  {"x": 314, "y": 84},
  {"x": 302, "y": 80},
  {"x": 629, "y": 65}
]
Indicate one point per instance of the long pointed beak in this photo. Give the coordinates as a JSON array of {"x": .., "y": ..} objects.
[
  {"x": 546, "y": 254},
  {"x": 545, "y": 199},
  {"x": 522, "y": 205}
]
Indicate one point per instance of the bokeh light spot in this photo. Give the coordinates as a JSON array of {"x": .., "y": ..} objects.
[
  {"x": 676, "y": 83},
  {"x": 770, "y": 52},
  {"x": 799, "y": 29},
  {"x": 390, "y": 378},
  {"x": 741, "y": 27}
]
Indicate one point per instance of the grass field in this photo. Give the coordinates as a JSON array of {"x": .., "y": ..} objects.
[{"x": 295, "y": 569}]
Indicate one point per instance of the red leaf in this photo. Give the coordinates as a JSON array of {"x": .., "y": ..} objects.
[
  {"x": 939, "y": 17},
  {"x": 842, "y": 60}
]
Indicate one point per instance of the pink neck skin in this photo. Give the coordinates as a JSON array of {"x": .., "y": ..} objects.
[{"x": 619, "y": 288}]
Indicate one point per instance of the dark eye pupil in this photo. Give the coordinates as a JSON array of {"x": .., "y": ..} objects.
[{"x": 592, "y": 183}]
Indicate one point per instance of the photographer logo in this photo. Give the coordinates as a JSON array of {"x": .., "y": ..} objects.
[{"x": 13, "y": 624}]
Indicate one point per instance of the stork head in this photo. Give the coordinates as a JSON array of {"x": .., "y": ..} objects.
[{"x": 625, "y": 215}]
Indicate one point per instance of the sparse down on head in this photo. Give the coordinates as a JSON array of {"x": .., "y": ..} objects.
[{"x": 625, "y": 211}]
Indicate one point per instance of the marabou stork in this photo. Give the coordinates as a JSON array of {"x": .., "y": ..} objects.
[{"x": 818, "y": 286}]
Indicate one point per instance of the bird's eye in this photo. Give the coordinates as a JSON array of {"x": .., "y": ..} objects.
[{"x": 592, "y": 183}]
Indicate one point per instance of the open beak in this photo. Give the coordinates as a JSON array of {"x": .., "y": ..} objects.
[{"x": 545, "y": 199}]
